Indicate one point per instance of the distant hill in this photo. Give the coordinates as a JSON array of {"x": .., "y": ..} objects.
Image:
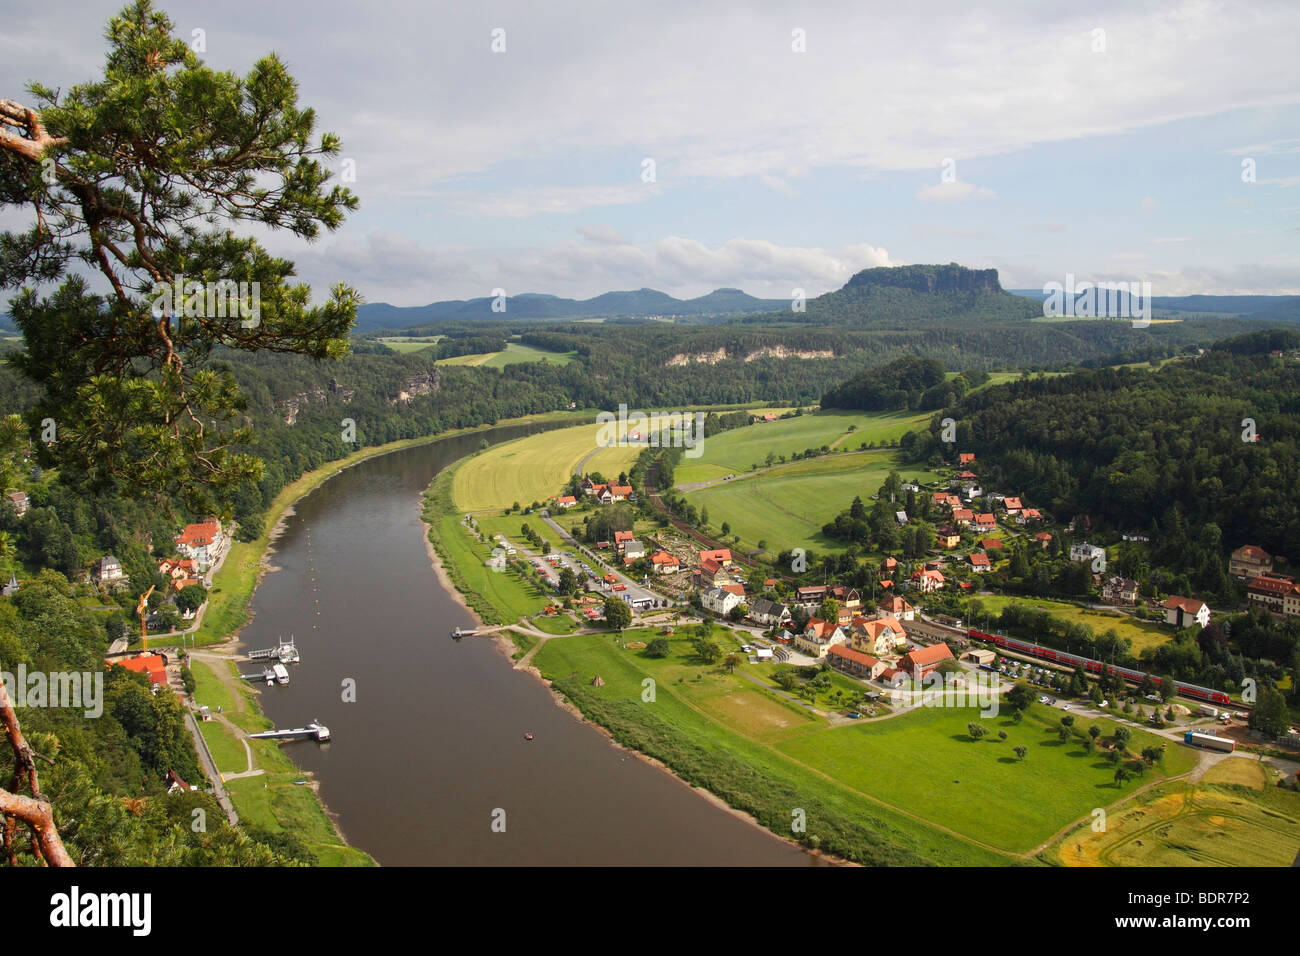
[
  {"x": 1283, "y": 307},
  {"x": 917, "y": 295},
  {"x": 641, "y": 303}
]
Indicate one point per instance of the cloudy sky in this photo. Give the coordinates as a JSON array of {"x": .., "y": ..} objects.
[{"x": 685, "y": 146}]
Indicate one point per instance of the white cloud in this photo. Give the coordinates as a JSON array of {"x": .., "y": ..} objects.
[{"x": 389, "y": 268}]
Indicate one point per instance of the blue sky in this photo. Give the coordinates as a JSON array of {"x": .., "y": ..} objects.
[{"x": 1112, "y": 155}]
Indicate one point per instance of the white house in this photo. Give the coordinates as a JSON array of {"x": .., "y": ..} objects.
[
  {"x": 1088, "y": 552},
  {"x": 1184, "y": 612},
  {"x": 109, "y": 569},
  {"x": 719, "y": 600}
]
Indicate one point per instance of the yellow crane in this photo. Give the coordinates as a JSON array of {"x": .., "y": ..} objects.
[{"x": 144, "y": 599}]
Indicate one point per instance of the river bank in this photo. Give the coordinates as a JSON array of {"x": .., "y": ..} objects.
[
  {"x": 267, "y": 791},
  {"x": 440, "y": 519}
]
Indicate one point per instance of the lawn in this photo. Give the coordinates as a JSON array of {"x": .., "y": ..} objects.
[
  {"x": 535, "y": 468},
  {"x": 979, "y": 789},
  {"x": 1143, "y": 634},
  {"x": 788, "y": 505},
  {"x": 514, "y": 354},
  {"x": 737, "y": 450},
  {"x": 716, "y": 729}
]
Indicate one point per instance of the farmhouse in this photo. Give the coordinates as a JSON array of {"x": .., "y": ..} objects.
[
  {"x": 1249, "y": 562},
  {"x": 565, "y": 501},
  {"x": 855, "y": 662},
  {"x": 1184, "y": 612},
  {"x": 621, "y": 539},
  {"x": 633, "y": 550},
  {"x": 818, "y": 636},
  {"x": 620, "y": 492},
  {"x": 922, "y": 660}
]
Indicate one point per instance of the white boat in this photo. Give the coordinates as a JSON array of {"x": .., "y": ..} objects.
[{"x": 280, "y": 673}]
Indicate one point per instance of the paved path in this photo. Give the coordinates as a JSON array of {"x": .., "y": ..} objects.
[{"x": 210, "y": 768}]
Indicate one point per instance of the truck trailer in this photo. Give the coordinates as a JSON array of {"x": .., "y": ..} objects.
[{"x": 1210, "y": 742}]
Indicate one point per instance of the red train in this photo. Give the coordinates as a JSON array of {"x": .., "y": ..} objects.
[{"x": 1096, "y": 667}]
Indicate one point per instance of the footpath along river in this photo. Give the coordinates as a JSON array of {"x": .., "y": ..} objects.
[{"x": 434, "y": 744}]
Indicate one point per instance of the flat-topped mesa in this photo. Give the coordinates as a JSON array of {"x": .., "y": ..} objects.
[{"x": 929, "y": 278}]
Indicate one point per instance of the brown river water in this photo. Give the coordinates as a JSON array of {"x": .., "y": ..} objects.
[{"x": 433, "y": 748}]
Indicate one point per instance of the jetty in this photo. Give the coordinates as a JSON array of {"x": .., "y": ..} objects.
[
  {"x": 286, "y": 652},
  {"x": 313, "y": 731},
  {"x": 463, "y": 631}
]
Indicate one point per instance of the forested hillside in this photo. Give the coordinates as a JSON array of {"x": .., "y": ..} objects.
[{"x": 1202, "y": 453}]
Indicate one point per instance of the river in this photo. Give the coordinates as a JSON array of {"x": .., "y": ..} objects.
[{"x": 432, "y": 751}]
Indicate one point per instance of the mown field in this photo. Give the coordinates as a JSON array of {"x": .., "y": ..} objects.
[
  {"x": 1232, "y": 817},
  {"x": 1143, "y": 634},
  {"x": 981, "y": 790},
  {"x": 514, "y": 354},
  {"x": 879, "y": 791},
  {"x": 736, "y": 451},
  {"x": 787, "y": 506},
  {"x": 535, "y": 468}
]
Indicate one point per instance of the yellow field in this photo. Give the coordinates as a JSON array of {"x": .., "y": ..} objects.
[
  {"x": 1231, "y": 818},
  {"x": 535, "y": 468}
]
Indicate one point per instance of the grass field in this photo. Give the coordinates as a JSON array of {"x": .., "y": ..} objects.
[
  {"x": 760, "y": 751},
  {"x": 534, "y": 468},
  {"x": 787, "y": 506},
  {"x": 1232, "y": 817},
  {"x": 980, "y": 790},
  {"x": 407, "y": 345},
  {"x": 513, "y": 355},
  {"x": 716, "y": 730},
  {"x": 1143, "y": 634},
  {"x": 735, "y": 451}
]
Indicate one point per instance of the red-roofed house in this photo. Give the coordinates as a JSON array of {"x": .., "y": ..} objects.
[
  {"x": 966, "y": 458},
  {"x": 855, "y": 662},
  {"x": 152, "y": 666},
  {"x": 201, "y": 542},
  {"x": 620, "y": 492},
  {"x": 721, "y": 555},
  {"x": 921, "y": 661},
  {"x": 963, "y": 516},
  {"x": 1043, "y": 538},
  {"x": 895, "y": 606},
  {"x": 818, "y": 636},
  {"x": 621, "y": 538},
  {"x": 966, "y": 476},
  {"x": 1184, "y": 612},
  {"x": 979, "y": 562},
  {"x": 927, "y": 580},
  {"x": 565, "y": 501},
  {"x": 1012, "y": 505},
  {"x": 985, "y": 522},
  {"x": 881, "y": 636},
  {"x": 991, "y": 544},
  {"x": 663, "y": 562}
]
